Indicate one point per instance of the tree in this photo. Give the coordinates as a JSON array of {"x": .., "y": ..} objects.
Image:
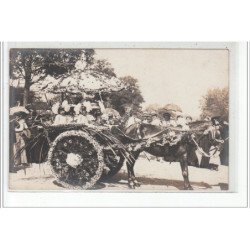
[
  {"x": 215, "y": 103},
  {"x": 130, "y": 96},
  {"x": 34, "y": 65},
  {"x": 16, "y": 94},
  {"x": 103, "y": 67}
]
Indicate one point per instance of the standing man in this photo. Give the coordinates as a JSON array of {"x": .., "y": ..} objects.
[{"x": 224, "y": 155}]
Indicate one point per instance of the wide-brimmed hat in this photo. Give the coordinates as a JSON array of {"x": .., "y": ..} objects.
[
  {"x": 18, "y": 110},
  {"x": 180, "y": 115},
  {"x": 188, "y": 116}
]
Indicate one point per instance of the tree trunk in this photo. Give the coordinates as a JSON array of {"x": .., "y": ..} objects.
[
  {"x": 27, "y": 85},
  {"x": 26, "y": 96}
]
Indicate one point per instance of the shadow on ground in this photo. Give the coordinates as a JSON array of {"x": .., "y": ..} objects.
[{"x": 178, "y": 184}]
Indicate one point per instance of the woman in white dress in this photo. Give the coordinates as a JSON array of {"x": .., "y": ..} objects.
[
  {"x": 156, "y": 120},
  {"x": 81, "y": 118},
  {"x": 19, "y": 147},
  {"x": 60, "y": 117}
]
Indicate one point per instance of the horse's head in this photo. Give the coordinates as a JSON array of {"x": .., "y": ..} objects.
[
  {"x": 199, "y": 126},
  {"x": 149, "y": 130},
  {"x": 142, "y": 131}
]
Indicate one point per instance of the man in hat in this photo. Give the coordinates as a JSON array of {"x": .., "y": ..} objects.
[{"x": 166, "y": 121}]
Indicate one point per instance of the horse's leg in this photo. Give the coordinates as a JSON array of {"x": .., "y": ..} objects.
[
  {"x": 130, "y": 166},
  {"x": 132, "y": 182},
  {"x": 184, "y": 169},
  {"x": 136, "y": 183}
]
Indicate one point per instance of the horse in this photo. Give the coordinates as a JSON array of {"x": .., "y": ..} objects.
[{"x": 151, "y": 140}]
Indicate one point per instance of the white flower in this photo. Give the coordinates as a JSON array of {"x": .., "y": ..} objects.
[{"x": 74, "y": 160}]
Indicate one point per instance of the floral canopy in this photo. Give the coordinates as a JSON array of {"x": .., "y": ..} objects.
[{"x": 77, "y": 81}]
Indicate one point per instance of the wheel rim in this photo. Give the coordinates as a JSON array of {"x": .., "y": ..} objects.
[{"x": 76, "y": 159}]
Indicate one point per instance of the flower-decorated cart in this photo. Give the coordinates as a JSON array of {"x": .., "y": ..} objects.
[{"x": 79, "y": 155}]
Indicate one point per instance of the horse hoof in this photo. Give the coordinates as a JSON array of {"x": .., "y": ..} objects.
[
  {"x": 190, "y": 188},
  {"x": 131, "y": 185},
  {"x": 137, "y": 184}
]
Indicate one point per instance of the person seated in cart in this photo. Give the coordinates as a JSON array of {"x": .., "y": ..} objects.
[
  {"x": 112, "y": 120},
  {"x": 132, "y": 120},
  {"x": 181, "y": 123},
  {"x": 60, "y": 117},
  {"x": 188, "y": 119},
  {"x": 94, "y": 111},
  {"x": 81, "y": 118},
  {"x": 166, "y": 120},
  {"x": 156, "y": 120},
  {"x": 145, "y": 120},
  {"x": 70, "y": 116}
]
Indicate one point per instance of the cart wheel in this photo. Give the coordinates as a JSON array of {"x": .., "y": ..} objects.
[
  {"x": 113, "y": 164},
  {"x": 76, "y": 159}
]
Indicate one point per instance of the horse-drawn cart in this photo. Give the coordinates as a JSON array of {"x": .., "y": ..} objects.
[{"x": 79, "y": 155}]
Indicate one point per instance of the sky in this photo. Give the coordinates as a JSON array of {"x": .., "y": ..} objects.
[{"x": 179, "y": 76}]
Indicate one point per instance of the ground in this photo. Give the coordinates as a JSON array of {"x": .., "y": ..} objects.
[{"x": 154, "y": 176}]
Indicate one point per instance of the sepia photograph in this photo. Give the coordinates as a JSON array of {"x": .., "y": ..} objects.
[
  {"x": 119, "y": 119},
  {"x": 124, "y": 120}
]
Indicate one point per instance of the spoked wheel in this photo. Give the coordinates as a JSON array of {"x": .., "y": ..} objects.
[
  {"x": 76, "y": 159},
  {"x": 113, "y": 164}
]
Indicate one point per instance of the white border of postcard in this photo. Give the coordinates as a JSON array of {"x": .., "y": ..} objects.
[{"x": 237, "y": 196}]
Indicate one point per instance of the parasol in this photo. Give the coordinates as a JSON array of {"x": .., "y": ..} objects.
[
  {"x": 88, "y": 81},
  {"x": 18, "y": 109},
  {"x": 172, "y": 107}
]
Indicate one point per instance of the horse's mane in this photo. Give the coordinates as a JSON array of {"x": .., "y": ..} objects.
[
  {"x": 199, "y": 125},
  {"x": 153, "y": 131}
]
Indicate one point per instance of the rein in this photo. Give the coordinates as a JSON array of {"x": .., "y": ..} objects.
[{"x": 203, "y": 152}]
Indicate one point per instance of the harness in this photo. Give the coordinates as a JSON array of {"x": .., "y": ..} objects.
[{"x": 211, "y": 155}]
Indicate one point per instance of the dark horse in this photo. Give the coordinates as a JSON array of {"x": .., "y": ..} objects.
[{"x": 151, "y": 139}]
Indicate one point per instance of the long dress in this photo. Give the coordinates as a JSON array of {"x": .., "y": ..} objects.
[
  {"x": 208, "y": 144},
  {"x": 19, "y": 147},
  {"x": 224, "y": 155},
  {"x": 81, "y": 119},
  {"x": 60, "y": 119}
]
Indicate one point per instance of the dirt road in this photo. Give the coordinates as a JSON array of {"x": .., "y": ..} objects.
[{"x": 153, "y": 175}]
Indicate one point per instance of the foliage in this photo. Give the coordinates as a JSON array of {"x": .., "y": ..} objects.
[
  {"x": 104, "y": 67},
  {"x": 215, "y": 103},
  {"x": 130, "y": 96},
  {"x": 171, "y": 109},
  {"x": 34, "y": 65}
]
